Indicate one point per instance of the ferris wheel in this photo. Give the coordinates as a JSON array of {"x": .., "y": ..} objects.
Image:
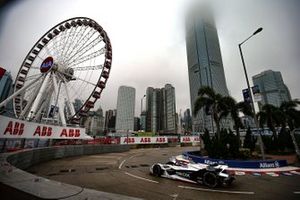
[{"x": 64, "y": 73}]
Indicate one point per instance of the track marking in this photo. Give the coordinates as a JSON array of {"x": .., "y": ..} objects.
[
  {"x": 239, "y": 173},
  {"x": 122, "y": 163},
  {"x": 272, "y": 174},
  {"x": 120, "y": 166},
  {"x": 211, "y": 190},
  {"x": 295, "y": 172},
  {"x": 141, "y": 178},
  {"x": 296, "y": 192}
]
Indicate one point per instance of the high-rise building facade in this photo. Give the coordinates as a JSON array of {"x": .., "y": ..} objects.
[
  {"x": 110, "y": 120},
  {"x": 161, "y": 109},
  {"x": 5, "y": 83},
  {"x": 170, "y": 109},
  {"x": 272, "y": 88},
  {"x": 187, "y": 121},
  {"x": 205, "y": 66},
  {"x": 94, "y": 122},
  {"x": 125, "y": 109}
]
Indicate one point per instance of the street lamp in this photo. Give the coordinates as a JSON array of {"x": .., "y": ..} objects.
[{"x": 250, "y": 92}]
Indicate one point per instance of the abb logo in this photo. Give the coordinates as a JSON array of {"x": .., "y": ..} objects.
[
  {"x": 44, "y": 131},
  {"x": 70, "y": 133},
  {"x": 186, "y": 139},
  {"x": 145, "y": 140},
  {"x": 14, "y": 128},
  {"x": 129, "y": 140},
  {"x": 160, "y": 140}
]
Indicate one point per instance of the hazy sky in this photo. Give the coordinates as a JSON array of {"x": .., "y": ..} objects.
[{"x": 148, "y": 40}]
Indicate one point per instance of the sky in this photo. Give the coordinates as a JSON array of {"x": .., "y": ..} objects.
[{"x": 148, "y": 40}]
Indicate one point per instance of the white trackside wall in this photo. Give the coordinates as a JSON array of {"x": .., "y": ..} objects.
[
  {"x": 14, "y": 128},
  {"x": 144, "y": 140}
]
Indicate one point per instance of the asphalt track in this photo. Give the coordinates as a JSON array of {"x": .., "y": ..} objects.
[{"x": 128, "y": 174}]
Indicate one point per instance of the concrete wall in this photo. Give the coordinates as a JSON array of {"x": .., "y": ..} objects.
[
  {"x": 13, "y": 178},
  {"x": 27, "y": 158}
]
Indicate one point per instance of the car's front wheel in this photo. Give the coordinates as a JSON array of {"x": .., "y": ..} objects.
[
  {"x": 157, "y": 171},
  {"x": 210, "y": 179}
]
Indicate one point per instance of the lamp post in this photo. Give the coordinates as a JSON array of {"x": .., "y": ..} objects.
[{"x": 250, "y": 92}]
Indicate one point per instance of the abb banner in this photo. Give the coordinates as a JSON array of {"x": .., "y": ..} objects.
[
  {"x": 144, "y": 140},
  {"x": 189, "y": 139},
  {"x": 14, "y": 128}
]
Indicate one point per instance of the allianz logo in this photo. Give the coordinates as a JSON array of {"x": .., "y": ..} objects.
[
  {"x": 269, "y": 165},
  {"x": 209, "y": 162}
]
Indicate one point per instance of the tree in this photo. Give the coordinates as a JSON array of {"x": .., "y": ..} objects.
[
  {"x": 291, "y": 116},
  {"x": 235, "y": 109},
  {"x": 249, "y": 141},
  {"x": 271, "y": 116},
  {"x": 213, "y": 104}
]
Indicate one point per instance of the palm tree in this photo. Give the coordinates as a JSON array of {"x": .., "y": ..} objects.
[
  {"x": 235, "y": 109},
  {"x": 271, "y": 116},
  {"x": 289, "y": 113},
  {"x": 213, "y": 104},
  {"x": 291, "y": 117}
]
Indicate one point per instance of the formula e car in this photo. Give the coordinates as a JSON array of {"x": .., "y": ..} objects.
[{"x": 182, "y": 169}]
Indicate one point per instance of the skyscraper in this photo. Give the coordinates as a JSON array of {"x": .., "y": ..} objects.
[
  {"x": 272, "y": 88},
  {"x": 5, "y": 83},
  {"x": 161, "y": 109},
  {"x": 94, "y": 122},
  {"x": 125, "y": 109},
  {"x": 205, "y": 66},
  {"x": 110, "y": 120}
]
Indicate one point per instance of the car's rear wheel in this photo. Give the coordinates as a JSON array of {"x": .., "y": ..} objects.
[
  {"x": 157, "y": 171},
  {"x": 210, "y": 179}
]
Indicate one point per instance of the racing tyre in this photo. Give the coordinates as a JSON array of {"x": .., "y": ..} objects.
[
  {"x": 157, "y": 171},
  {"x": 210, "y": 179}
]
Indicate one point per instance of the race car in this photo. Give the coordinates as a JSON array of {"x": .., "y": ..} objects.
[{"x": 179, "y": 168}]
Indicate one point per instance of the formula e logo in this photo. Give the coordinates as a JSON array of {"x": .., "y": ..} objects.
[{"x": 46, "y": 64}]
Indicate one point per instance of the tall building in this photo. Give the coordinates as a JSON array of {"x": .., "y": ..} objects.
[
  {"x": 143, "y": 120},
  {"x": 137, "y": 125},
  {"x": 170, "y": 109},
  {"x": 5, "y": 83},
  {"x": 272, "y": 88},
  {"x": 110, "y": 120},
  {"x": 94, "y": 123},
  {"x": 205, "y": 66},
  {"x": 77, "y": 104},
  {"x": 125, "y": 109},
  {"x": 161, "y": 109},
  {"x": 187, "y": 120}
]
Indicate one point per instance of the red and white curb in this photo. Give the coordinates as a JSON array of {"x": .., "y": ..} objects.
[{"x": 274, "y": 172}]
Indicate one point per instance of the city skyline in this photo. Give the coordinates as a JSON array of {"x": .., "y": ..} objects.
[{"x": 160, "y": 49}]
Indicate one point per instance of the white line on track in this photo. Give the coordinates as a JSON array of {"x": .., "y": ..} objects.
[
  {"x": 220, "y": 191},
  {"x": 122, "y": 163},
  {"x": 120, "y": 166},
  {"x": 141, "y": 178},
  {"x": 296, "y": 192}
]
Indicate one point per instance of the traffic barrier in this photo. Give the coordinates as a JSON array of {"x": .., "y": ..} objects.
[{"x": 255, "y": 164}]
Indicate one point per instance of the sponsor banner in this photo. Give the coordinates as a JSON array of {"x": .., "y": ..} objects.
[
  {"x": 14, "y": 128},
  {"x": 143, "y": 140},
  {"x": 189, "y": 139},
  {"x": 260, "y": 164}
]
